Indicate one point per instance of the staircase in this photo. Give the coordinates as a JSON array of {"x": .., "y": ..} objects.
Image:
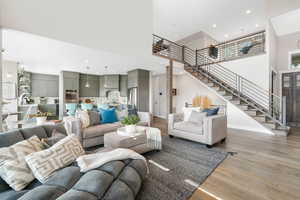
[{"x": 263, "y": 106}]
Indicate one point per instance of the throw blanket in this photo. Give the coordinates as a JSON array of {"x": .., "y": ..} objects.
[{"x": 93, "y": 161}]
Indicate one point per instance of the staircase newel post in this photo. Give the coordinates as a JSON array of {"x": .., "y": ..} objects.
[
  {"x": 196, "y": 58},
  {"x": 183, "y": 50},
  {"x": 283, "y": 110}
]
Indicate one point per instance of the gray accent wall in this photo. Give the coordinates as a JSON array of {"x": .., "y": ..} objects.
[{"x": 43, "y": 85}]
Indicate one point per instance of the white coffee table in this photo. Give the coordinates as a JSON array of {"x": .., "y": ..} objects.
[{"x": 147, "y": 139}]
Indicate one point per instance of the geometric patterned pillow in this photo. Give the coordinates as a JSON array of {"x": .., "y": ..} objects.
[
  {"x": 44, "y": 163},
  {"x": 13, "y": 167}
]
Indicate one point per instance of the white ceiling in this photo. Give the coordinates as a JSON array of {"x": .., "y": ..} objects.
[
  {"x": 177, "y": 19},
  {"x": 123, "y": 27},
  {"x": 287, "y": 23},
  {"x": 279, "y": 7},
  {"x": 43, "y": 55},
  {"x": 118, "y": 33}
]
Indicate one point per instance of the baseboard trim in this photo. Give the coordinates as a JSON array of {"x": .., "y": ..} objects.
[
  {"x": 159, "y": 116},
  {"x": 248, "y": 130}
]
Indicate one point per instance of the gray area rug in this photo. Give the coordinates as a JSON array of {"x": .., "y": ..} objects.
[{"x": 187, "y": 161}]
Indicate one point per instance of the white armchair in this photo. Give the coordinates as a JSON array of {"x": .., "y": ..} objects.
[{"x": 212, "y": 130}]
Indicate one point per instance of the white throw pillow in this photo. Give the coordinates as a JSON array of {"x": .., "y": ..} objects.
[
  {"x": 197, "y": 117},
  {"x": 44, "y": 163},
  {"x": 84, "y": 117},
  {"x": 13, "y": 167},
  {"x": 187, "y": 112}
]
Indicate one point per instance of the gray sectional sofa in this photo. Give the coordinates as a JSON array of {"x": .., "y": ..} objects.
[{"x": 113, "y": 181}]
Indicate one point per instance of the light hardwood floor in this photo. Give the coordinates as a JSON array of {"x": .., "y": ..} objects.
[{"x": 264, "y": 168}]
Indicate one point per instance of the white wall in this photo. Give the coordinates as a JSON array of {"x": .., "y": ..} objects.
[
  {"x": 286, "y": 44},
  {"x": 255, "y": 69},
  {"x": 0, "y": 78},
  {"x": 10, "y": 74},
  {"x": 238, "y": 119},
  {"x": 159, "y": 90}
]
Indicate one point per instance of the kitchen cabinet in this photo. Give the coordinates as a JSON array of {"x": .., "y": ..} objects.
[
  {"x": 111, "y": 81},
  {"x": 43, "y": 85},
  {"x": 133, "y": 79},
  {"x": 93, "y": 90},
  {"x": 123, "y": 85},
  {"x": 71, "y": 80},
  {"x": 102, "y": 90}
]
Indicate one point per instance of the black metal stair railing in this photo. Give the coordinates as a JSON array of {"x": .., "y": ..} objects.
[
  {"x": 270, "y": 105},
  {"x": 245, "y": 46}
]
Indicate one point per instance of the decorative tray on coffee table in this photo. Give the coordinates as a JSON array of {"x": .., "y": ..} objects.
[{"x": 139, "y": 131}]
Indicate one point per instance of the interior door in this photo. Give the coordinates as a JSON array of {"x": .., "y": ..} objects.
[
  {"x": 296, "y": 96},
  {"x": 287, "y": 91}
]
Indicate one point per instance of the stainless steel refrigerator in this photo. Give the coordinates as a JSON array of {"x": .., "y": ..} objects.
[{"x": 133, "y": 98}]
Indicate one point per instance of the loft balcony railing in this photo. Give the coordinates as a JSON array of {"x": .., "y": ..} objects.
[
  {"x": 245, "y": 46},
  {"x": 272, "y": 106}
]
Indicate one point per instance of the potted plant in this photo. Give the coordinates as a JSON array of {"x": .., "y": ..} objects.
[
  {"x": 130, "y": 123},
  {"x": 41, "y": 117}
]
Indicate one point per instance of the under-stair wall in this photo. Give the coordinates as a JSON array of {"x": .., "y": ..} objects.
[{"x": 188, "y": 87}]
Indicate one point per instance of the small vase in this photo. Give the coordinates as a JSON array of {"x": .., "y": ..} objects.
[
  {"x": 41, "y": 120},
  {"x": 130, "y": 128}
]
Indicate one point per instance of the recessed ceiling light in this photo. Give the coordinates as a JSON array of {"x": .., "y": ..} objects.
[
  {"x": 226, "y": 35},
  {"x": 8, "y": 75},
  {"x": 248, "y": 12},
  {"x": 214, "y": 25},
  {"x": 256, "y": 25}
]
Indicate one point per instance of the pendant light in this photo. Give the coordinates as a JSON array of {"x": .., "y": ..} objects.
[{"x": 87, "y": 84}]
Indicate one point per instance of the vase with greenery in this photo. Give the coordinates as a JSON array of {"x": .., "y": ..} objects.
[
  {"x": 41, "y": 117},
  {"x": 130, "y": 123}
]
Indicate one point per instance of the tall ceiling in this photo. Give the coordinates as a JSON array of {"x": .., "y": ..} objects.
[
  {"x": 176, "y": 19},
  {"x": 287, "y": 23},
  {"x": 123, "y": 27}
]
